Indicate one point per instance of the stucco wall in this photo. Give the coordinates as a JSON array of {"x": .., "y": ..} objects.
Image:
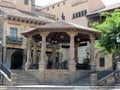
[
  {"x": 68, "y": 9},
  {"x": 20, "y": 28},
  {"x": 19, "y": 4}
]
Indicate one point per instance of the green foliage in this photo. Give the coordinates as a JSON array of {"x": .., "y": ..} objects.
[
  {"x": 86, "y": 60},
  {"x": 110, "y": 30}
]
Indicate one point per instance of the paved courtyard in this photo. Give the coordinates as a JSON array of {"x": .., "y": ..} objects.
[{"x": 42, "y": 87}]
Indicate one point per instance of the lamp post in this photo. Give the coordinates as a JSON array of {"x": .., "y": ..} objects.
[
  {"x": 118, "y": 41},
  {"x": 118, "y": 63},
  {"x": 1, "y": 58}
]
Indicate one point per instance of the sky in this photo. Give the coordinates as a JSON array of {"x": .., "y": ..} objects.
[{"x": 45, "y": 2}]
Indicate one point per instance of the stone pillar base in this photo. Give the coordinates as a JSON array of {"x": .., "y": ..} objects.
[
  {"x": 42, "y": 66},
  {"x": 94, "y": 79},
  {"x": 72, "y": 67},
  {"x": 118, "y": 66},
  {"x": 27, "y": 65},
  {"x": 13, "y": 79},
  {"x": 93, "y": 67}
]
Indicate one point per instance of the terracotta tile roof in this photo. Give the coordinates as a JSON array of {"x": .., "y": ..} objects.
[
  {"x": 20, "y": 14},
  {"x": 107, "y": 8}
]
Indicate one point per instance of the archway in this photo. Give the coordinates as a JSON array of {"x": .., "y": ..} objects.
[{"x": 17, "y": 60}]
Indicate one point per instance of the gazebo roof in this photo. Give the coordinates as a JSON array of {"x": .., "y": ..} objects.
[
  {"x": 59, "y": 28},
  {"x": 62, "y": 26}
]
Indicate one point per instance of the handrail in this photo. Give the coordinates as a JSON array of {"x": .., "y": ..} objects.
[
  {"x": 4, "y": 74},
  {"x": 9, "y": 78},
  {"x": 105, "y": 77},
  {"x": 6, "y": 71}
]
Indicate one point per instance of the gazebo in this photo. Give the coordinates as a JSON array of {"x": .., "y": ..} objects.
[{"x": 56, "y": 33}]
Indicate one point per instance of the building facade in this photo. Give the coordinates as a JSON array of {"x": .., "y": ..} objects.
[
  {"x": 42, "y": 44},
  {"x": 16, "y": 17},
  {"x": 16, "y": 20},
  {"x": 74, "y": 11}
]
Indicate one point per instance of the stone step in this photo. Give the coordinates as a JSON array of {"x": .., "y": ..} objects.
[
  {"x": 84, "y": 81},
  {"x": 25, "y": 78}
]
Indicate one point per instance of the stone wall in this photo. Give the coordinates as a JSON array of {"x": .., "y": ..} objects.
[
  {"x": 58, "y": 77},
  {"x": 108, "y": 64},
  {"x": 110, "y": 79}
]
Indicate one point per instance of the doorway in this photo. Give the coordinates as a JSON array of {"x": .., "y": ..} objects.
[{"x": 17, "y": 60}]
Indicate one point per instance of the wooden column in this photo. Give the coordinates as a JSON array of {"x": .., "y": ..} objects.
[
  {"x": 35, "y": 53},
  {"x": 92, "y": 52},
  {"x": 72, "y": 64},
  {"x": 42, "y": 63},
  {"x": 29, "y": 49}
]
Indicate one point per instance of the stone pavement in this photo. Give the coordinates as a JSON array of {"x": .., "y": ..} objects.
[{"x": 45, "y": 87}]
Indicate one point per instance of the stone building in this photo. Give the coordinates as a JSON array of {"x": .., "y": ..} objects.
[
  {"x": 17, "y": 19},
  {"x": 26, "y": 52},
  {"x": 14, "y": 20}
]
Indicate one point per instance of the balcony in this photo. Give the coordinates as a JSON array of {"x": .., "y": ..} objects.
[{"x": 12, "y": 40}]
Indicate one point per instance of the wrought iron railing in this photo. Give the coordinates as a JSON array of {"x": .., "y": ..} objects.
[
  {"x": 6, "y": 71},
  {"x": 17, "y": 40}
]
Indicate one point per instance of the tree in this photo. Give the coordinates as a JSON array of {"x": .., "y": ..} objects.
[{"x": 110, "y": 29}]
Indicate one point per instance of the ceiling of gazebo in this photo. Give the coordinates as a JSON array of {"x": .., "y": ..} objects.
[
  {"x": 57, "y": 32},
  {"x": 62, "y": 37}
]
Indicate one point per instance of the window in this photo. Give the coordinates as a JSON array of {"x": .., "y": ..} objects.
[
  {"x": 79, "y": 14},
  {"x": 82, "y": 12},
  {"x": 102, "y": 62},
  {"x": 13, "y": 33},
  {"x": 85, "y": 12},
  {"x": 73, "y": 15},
  {"x": 53, "y": 7},
  {"x": 63, "y": 16},
  {"x": 25, "y": 1}
]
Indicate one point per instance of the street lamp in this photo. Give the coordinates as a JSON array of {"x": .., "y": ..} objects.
[{"x": 118, "y": 41}]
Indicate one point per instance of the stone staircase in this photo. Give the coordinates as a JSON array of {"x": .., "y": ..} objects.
[
  {"x": 25, "y": 78},
  {"x": 102, "y": 74},
  {"x": 85, "y": 80}
]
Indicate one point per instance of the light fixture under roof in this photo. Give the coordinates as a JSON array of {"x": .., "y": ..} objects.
[
  {"x": 62, "y": 37},
  {"x": 78, "y": 39}
]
